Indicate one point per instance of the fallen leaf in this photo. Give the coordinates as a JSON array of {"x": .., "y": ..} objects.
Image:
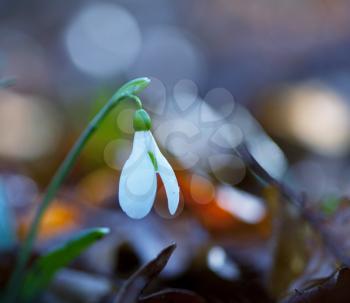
[
  {"x": 134, "y": 286},
  {"x": 334, "y": 289}
]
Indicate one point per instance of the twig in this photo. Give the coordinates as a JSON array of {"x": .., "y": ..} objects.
[{"x": 298, "y": 201}]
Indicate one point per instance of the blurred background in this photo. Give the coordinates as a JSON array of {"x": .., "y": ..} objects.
[{"x": 273, "y": 73}]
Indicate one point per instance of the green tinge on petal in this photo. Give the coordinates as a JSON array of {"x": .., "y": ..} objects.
[{"x": 154, "y": 160}]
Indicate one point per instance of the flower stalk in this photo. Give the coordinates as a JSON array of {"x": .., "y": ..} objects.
[{"x": 127, "y": 91}]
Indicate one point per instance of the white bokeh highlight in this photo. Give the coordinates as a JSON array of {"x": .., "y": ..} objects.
[
  {"x": 242, "y": 205},
  {"x": 171, "y": 55},
  {"x": 103, "y": 39}
]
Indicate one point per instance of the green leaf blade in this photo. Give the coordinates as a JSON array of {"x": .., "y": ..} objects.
[{"x": 43, "y": 270}]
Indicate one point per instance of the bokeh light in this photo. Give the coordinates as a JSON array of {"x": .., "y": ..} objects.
[
  {"x": 273, "y": 75},
  {"x": 219, "y": 262},
  {"x": 312, "y": 114},
  {"x": 202, "y": 190},
  {"x": 246, "y": 207},
  {"x": 29, "y": 126},
  {"x": 169, "y": 49},
  {"x": 185, "y": 93},
  {"x": 103, "y": 40},
  {"x": 116, "y": 153},
  {"x": 319, "y": 118}
]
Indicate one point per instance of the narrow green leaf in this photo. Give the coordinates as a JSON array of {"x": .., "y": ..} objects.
[{"x": 43, "y": 270}]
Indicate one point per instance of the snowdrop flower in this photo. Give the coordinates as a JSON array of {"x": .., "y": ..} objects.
[{"x": 138, "y": 180}]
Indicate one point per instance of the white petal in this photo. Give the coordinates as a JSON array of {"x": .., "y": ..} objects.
[
  {"x": 138, "y": 180},
  {"x": 168, "y": 177},
  {"x": 141, "y": 144}
]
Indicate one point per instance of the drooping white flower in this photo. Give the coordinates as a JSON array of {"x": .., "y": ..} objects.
[{"x": 138, "y": 180}]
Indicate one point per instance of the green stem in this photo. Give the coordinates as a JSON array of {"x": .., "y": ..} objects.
[
  {"x": 126, "y": 91},
  {"x": 136, "y": 99}
]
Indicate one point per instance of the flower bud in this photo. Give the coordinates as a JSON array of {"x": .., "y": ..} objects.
[{"x": 142, "y": 120}]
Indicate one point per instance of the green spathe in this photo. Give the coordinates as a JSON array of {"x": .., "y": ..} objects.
[{"x": 142, "y": 121}]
